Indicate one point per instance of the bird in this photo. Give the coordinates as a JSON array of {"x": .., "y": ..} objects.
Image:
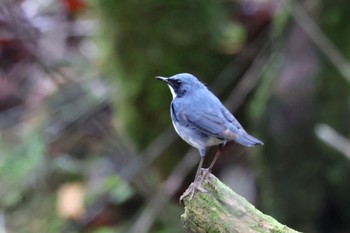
[{"x": 202, "y": 121}]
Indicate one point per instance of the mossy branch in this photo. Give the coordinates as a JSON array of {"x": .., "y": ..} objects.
[{"x": 223, "y": 211}]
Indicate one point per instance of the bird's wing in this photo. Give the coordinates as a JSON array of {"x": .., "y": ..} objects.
[
  {"x": 211, "y": 118},
  {"x": 210, "y": 123},
  {"x": 231, "y": 118}
]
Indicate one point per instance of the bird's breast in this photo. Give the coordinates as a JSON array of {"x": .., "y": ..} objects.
[
  {"x": 190, "y": 135},
  {"x": 195, "y": 137}
]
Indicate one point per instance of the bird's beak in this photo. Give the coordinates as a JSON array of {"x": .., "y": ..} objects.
[
  {"x": 170, "y": 84},
  {"x": 164, "y": 79}
]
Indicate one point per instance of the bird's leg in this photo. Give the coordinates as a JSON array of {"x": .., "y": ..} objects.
[
  {"x": 218, "y": 153},
  {"x": 199, "y": 169},
  {"x": 196, "y": 184},
  {"x": 208, "y": 170}
]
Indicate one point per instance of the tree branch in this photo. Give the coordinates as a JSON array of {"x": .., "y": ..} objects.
[{"x": 223, "y": 211}]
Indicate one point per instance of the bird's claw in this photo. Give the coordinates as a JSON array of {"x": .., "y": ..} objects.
[
  {"x": 205, "y": 175},
  {"x": 191, "y": 190}
]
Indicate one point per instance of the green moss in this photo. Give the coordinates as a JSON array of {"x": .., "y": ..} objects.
[{"x": 222, "y": 210}]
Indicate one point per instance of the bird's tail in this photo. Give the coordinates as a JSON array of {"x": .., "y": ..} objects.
[{"x": 248, "y": 140}]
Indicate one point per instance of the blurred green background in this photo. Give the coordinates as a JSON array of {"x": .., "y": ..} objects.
[{"x": 86, "y": 141}]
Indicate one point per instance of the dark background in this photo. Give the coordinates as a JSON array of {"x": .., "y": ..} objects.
[{"x": 86, "y": 141}]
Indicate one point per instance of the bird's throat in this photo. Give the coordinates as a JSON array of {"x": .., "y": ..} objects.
[{"x": 172, "y": 91}]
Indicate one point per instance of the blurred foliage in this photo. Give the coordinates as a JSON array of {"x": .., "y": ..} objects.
[
  {"x": 20, "y": 166},
  {"x": 57, "y": 120},
  {"x": 303, "y": 182},
  {"x": 36, "y": 214},
  {"x": 332, "y": 17},
  {"x": 161, "y": 38},
  {"x": 119, "y": 190},
  {"x": 22, "y": 169}
]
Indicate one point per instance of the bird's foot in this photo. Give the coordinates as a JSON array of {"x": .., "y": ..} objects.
[
  {"x": 191, "y": 190},
  {"x": 205, "y": 174}
]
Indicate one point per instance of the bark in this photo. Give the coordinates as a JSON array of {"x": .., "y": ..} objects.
[{"x": 222, "y": 210}]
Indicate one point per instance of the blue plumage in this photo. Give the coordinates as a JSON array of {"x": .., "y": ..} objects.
[{"x": 202, "y": 120}]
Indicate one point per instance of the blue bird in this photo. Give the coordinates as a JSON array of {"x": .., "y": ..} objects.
[{"x": 202, "y": 121}]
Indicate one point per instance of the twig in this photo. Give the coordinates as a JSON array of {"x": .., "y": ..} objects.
[
  {"x": 250, "y": 79},
  {"x": 319, "y": 38},
  {"x": 164, "y": 193},
  {"x": 332, "y": 138}
]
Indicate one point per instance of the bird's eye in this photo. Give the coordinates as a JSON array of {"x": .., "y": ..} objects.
[{"x": 177, "y": 83}]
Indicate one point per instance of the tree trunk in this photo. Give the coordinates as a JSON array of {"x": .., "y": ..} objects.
[{"x": 222, "y": 210}]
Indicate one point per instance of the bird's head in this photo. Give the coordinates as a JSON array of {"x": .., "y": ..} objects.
[{"x": 180, "y": 84}]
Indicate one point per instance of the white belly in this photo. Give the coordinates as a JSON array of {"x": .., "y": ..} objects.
[{"x": 195, "y": 139}]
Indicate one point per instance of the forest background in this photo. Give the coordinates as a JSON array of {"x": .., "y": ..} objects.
[{"x": 86, "y": 141}]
